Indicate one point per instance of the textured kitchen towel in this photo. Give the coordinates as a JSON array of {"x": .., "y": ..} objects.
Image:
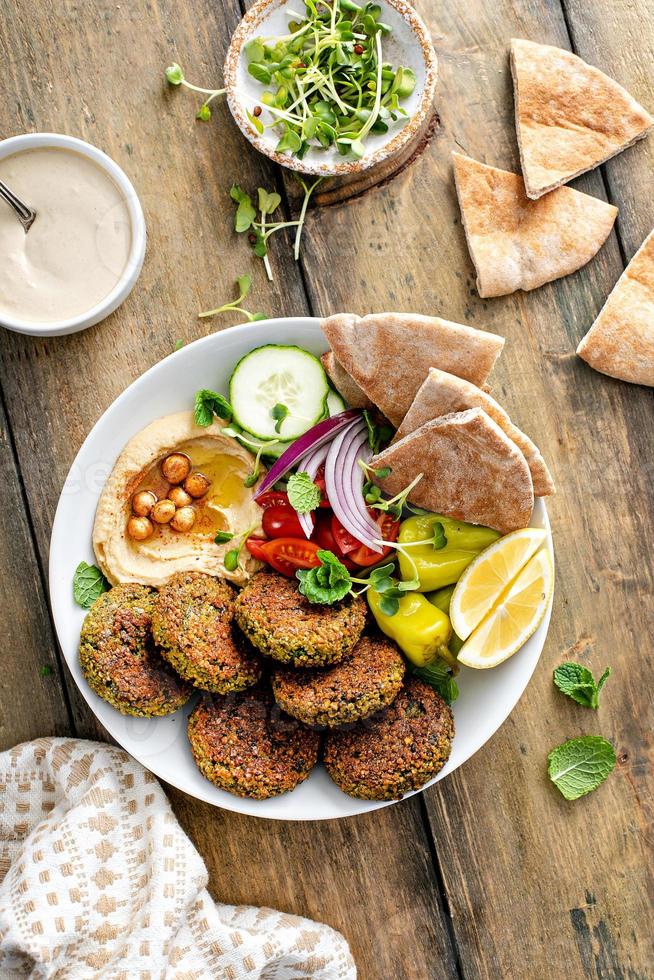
[{"x": 97, "y": 879}]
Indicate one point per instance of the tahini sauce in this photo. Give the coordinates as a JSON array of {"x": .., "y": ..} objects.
[{"x": 76, "y": 250}]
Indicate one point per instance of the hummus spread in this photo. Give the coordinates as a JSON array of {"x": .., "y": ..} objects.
[{"x": 227, "y": 506}]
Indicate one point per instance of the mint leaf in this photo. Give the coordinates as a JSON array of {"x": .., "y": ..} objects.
[
  {"x": 438, "y": 676},
  {"x": 303, "y": 494},
  {"x": 578, "y": 683},
  {"x": 326, "y": 584},
  {"x": 209, "y": 403},
  {"x": 580, "y": 765},
  {"x": 88, "y": 584}
]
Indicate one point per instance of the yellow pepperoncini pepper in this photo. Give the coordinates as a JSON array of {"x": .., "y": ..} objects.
[
  {"x": 436, "y": 567},
  {"x": 441, "y": 599},
  {"x": 420, "y": 629}
]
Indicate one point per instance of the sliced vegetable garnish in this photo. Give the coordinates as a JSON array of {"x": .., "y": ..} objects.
[
  {"x": 317, "y": 436},
  {"x": 344, "y": 481},
  {"x": 287, "y": 555}
]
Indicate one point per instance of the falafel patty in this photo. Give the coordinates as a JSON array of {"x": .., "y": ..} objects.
[
  {"x": 242, "y": 743},
  {"x": 367, "y": 680},
  {"x": 193, "y": 624},
  {"x": 395, "y": 751},
  {"x": 282, "y": 624},
  {"x": 118, "y": 657}
]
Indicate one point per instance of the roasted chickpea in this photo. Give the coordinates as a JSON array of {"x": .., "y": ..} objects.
[
  {"x": 184, "y": 519},
  {"x": 176, "y": 467},
  {"x": 139, "y": 528},
  {"x": 143, "y": 502},
  {"x": 179, "y": 497},
  {"x": 196, "y": 484},
  {"x": 163, "y": 511}
]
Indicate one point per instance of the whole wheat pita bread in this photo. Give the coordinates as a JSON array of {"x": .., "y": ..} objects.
[
  {"x": 570, "y": 117},
  {"x": 471, "y": 471},
  {"x": 347, "y": 386},
  {"x": 442, "y": 394},
  {"x": 389, "y": 354},
  {"x": 621, "y": 341},
  {"x": 516, "y": 243}
]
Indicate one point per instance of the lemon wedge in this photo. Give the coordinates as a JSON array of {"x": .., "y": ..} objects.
[
  {"x": 513, "y": 620},
  {"x": 486, "y": 578}
]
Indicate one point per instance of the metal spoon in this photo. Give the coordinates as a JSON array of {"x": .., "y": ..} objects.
[{"x": 24, "y": 213}]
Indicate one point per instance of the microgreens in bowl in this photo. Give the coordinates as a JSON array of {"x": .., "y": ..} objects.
[{"x": 326, "y": 82}]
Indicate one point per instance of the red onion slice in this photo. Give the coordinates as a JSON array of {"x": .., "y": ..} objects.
[
  {"x": 317, "y": 436},
  {"x": 344, "y": 485},
  {"x": 311, "y": 464}
]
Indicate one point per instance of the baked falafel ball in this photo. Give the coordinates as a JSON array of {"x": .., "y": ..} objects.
[
  {"x": 364, "y": 682},
  {"x": 282, "y": 624},
  {"x": 193, "y": 624},
  {"x": 118, "y": 657},
  {"x": 243, "y": 743},
  {"x": 395, "y": 751}
]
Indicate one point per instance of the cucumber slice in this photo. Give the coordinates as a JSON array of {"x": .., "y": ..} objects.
[
  {"x": 278, "y": 375},
  {"x": 273, "y": 451},
  {"x": 335, "y": 404}
]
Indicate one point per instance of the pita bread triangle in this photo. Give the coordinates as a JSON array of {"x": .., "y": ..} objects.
[
  {"x": 471, "y": 471},
  {"x": 442, "y": 394},
  {"x": 621, "y": 341},
  {"x": 570, "y": 116},
  {"x": 344, "y": 384},
  {"x": 516, "y": 243},
  {"x": 389, "y": 354}
]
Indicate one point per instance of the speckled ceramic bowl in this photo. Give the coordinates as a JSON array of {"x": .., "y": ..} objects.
[{"x": 409, "y": 44}]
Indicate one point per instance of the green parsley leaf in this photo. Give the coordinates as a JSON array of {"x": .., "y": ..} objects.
[
  {"x": 578, "y": 683},
  {"x": 580, "y": 765},
  {"x": 209, "y": 403},
  {"x": 303, "y": 494},
  {"x": 439, "y": 540},
  {"x": 88, "y": 584},
  {"x": 45, "y": 670},
  {"x": 438, "y": 675},
  {"x": 223, "y": 536},
  {"x": 326, "y": 584},
  {"x": 279, "y": 412},
  {"x": 174, "y": 74}
]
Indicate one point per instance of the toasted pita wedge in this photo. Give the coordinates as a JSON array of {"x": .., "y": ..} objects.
[
  {"x": 347, "y": 386},
  {"x": 389, "y": 354},
  {"x": 621, "y": 341},
  {"x": 570, "y": 117},
  {"x": 442, "y": 394},
  {"x": 516, "y": 243},
  {"x": 471, "y": 471}
]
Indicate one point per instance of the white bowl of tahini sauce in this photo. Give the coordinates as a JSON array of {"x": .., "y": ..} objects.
[{"x": 83, "y": 254}]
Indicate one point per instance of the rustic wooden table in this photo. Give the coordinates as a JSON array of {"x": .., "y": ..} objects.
[{"x": 491, "y": 873}]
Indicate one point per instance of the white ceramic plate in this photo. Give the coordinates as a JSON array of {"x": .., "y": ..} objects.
[
  {"x": 486, "y": 696},
  {"x": 408, "y": 45}
]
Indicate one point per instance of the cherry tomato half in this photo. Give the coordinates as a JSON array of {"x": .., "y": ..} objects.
[
  {"x": 319, "y": 481},
  {"x": 255, "y": 547},
  {"x": 361, "y": 554},
  {"x": 324, "y": 537},
  {"x": 273, "y": 498},
  {"x": 286, "y": 555},
  {"x": 281, "y": 521}
]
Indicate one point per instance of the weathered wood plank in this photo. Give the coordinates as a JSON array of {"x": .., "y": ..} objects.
[
  {"x": 537, "y": 887},
  {"x": 96, "y": 71},
  {"x": 32, "y": 696}
]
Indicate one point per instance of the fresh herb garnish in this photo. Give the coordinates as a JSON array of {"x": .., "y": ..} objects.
[
  {"x": 45, "y": 671},
  {"x": 223, "y": 536},
  {"x": 209, "y": 403},
  {"x": 390, "y": 589},
  {"x": 175, "y": 76},
  {"x": 330, "y": 85},
  {"x": 580, "y": 765},
  {"x": 439, "y": 540},
  {"x": 379, "y": 434},
  {"x": 232, "y": 558},
  {"x": 178, "y": 345},
  {"x": 279, "y": 412},
  {"x": 326, "y": 584},
  {"x": 578, "y": 683},
  {"x": 303, "y": 494},
  {"x": 243, "y": 283},
  {"x": 438, "y": 675},
  {"x": 260, "y": 230},
  {"x": 88, "y": 584}
]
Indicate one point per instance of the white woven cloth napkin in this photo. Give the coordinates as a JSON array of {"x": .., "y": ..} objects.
[{"x": 97, "y": 879}]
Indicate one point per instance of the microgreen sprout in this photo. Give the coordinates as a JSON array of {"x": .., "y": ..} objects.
[
  {"x": 232, "y": 558},
  {"x": 326, "y": 82},
  {"x": 175, "y": 76},
  {"x": 278, "y": 412},
  {"x": 243, "y": 283},
  {"x": 255, "y": 472}
]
